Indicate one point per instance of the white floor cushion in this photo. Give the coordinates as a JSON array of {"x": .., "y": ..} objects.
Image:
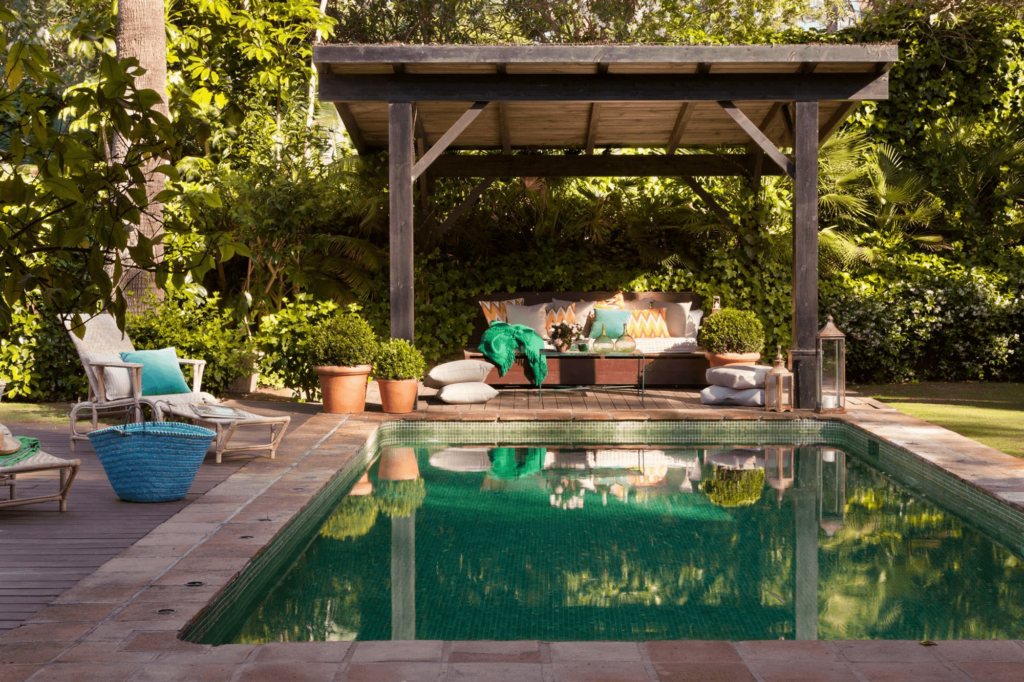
[
  {"x": 720, "y": 395},
  {"x": 469, "y": 393},
  {"x": 458, "y": 372},
  {"x": 737, "y": 376}
]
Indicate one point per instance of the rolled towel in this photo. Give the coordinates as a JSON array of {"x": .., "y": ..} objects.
[
  {"x": 737, "y": 376},
  {"x": 722, "y": 395}
]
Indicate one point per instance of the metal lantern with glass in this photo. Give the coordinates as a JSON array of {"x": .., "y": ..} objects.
[
  {"x": 778, "y": 386},
  {"x": 831, "y": 347}
]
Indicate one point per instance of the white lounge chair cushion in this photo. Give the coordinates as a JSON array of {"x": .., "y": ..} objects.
[
  {"x": 39, "y": 459},
  {"x": 469, "y": 393},
  {"x": 458, "y": 372},
  {"x": 720, "y": 395},
  {"x": 737, "y": 376},
  {"x": 117, "y": 381}
]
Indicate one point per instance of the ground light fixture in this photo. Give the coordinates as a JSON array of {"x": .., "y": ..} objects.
[{"x": 831, "y": 370}]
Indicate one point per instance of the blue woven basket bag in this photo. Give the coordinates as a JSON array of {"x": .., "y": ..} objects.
[{"x": 151, "y": 461}]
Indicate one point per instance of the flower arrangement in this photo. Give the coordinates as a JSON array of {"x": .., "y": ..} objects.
[{"x": 565, "y": 334}]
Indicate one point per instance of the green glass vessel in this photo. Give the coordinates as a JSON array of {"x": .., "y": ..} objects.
[
  {"x": 625, "y": 343},
  {"x": 603, "y": 343}
]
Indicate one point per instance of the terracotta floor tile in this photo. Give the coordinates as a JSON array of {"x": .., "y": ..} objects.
[
  {"x": 312, "y": 652},
  {"x": 46, "y": 632},
  {"x": 883, "y": 650},
  {"x": 161, "y": 641},
  {"x": 56, "y": 613},
  {"x": 673, "y": 652},
  {"x": 30, "y": 652},
  {"x": 192, "y": 672},
  {"x": 391, "y": 672},
  {"x": 495, "y": 652},
  {"x": 902, "y": 672},
  {"x": 287, "y": 672},
  {"x": 595, "y": 651},
  {"x": 789, "y": 650},
  {"x": 600, "y": 671},
  {"x": 16, "y": 673},
  {"x": 495, "y": 672},
  {"x": 988, "y": 650},
  {"x": 802, "y": 670},
  {"x": 102, "y": 652},
  {"x": 703, "y": 671},
  {"x": 992, "y": 672},
  {"x": 378, "y": 652},
  {"x": 87, "y": 672}
]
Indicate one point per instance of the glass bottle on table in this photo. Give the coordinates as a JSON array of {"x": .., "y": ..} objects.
[
  {"x": 625, "y": 343},
  {"x": 603, "y": 343}
]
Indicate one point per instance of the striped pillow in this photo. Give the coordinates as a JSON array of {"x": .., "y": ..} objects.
[
  {"x": 616, "y": 302},
  {"x": 556, "y": 314},
  {"x": 494, "y": 311},
  {"x": 648, "y": 324}
]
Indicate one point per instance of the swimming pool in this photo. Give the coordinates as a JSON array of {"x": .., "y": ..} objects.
[{"x": 634, "y": 531}]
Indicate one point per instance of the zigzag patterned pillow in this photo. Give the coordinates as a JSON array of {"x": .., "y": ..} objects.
[
  {"x": 495, "y": 310},
  {"x": 556, "y": 314},
  {"x": 648, "y": 324}
]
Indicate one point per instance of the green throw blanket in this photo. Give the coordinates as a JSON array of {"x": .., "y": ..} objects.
[
  {"x": 29, "y": 447},
  {"x": 501, "y": 341},
  {"x": 505, "y": 465}
]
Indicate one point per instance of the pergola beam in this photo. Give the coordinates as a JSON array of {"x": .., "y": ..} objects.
[
  {"x": 715, "y": 207},
  {"x": 464, "y": 206},
  {"x": 595, "y": 115},
  {"x": 449, "y": 137},
  {"x": 602, "y": 88},
  {"x": 616, "y": 165},
  {"x": 685, "y": 112},
  {"x": 356, "y": 135},
  {"x": 759, "y": 138}
]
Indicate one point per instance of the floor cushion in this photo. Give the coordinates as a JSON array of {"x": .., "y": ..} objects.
[
  {"x": 737, "y": 376},
  {"x": 458, "y": 372},
  {"x": 720, "y": 395},
  {"x": 469, "y": 393}
]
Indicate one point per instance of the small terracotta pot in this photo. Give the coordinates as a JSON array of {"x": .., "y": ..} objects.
[
  {"x": 724, "y": 359},
  {"x": 343, "y": 388},
  {"x": 398, "y": 396},
  {"x": 398, "y": 464},
  {"x": 363, "y": 486}
]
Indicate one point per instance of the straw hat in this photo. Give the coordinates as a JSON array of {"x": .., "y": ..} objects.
[{"x": 8, "y": 443}]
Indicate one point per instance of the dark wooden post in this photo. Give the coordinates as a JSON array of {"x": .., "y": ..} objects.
[
  {"x": 401, "y": 158},
  {"x": 805, "y": 252}
]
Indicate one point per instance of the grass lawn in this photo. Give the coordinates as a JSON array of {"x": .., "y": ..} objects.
[
  {"x": 45, "y": 413},
  {"x": 992, "y": 414}
]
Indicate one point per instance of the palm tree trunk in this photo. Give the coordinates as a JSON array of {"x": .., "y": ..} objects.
[{"x": 141, "y": 34}]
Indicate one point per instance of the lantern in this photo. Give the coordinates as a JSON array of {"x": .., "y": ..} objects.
[
  {"x": 831, "y": 379},
  {"x": 832, "y": 504},
  {"x": 779, "y": 463},
  {"x": 778, "y": 386}
]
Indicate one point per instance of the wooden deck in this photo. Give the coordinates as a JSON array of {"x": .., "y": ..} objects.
[{"x": 45, "y": 552}]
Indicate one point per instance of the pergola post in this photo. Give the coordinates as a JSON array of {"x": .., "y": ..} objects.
[
  {"x": 805, "y": 252},
  {"x": 401, "y": 157}
]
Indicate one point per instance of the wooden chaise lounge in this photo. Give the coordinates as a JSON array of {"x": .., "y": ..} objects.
[{"x": 663, "y": 368}]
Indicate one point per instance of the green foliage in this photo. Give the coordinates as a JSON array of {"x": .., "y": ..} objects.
[
  {"x": 197, "y": 326},
  {"x": 38, "y": 360},
  {"x": 342, "y": 340},
  {"x": 283, "y": 342},
  {"x": 398, "y": 359},
  {"x": 399, "y": 499},
  {"x": 732, "y": 331},
  {"x": 734, "y": 487},
  {"x": 353, "y": 518}
]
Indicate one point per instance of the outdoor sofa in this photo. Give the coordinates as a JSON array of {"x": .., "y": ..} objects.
[{"x": 676, "y": 361}]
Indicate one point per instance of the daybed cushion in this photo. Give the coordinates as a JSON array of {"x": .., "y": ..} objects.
[
  {"x": 458, "y": 372},
  {"x": 532, "y": 316},
  {"x": 582, "y": 310},
  {"x": 720, "y": 395},
  {"x": 648, "y": 324},
  {"x": 737, "y": 376},
  {"x": 469, "y": 393},
  {"x": 117, "y": 381},
  {"x": 495, "y": 310},
  {"x": 677, "y": 315},
  {"x": 657, "y": 346}
]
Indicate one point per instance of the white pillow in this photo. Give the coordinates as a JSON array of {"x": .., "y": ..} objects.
[
  {"x": 458, "y": 372},
  {"x": 720, "y": 395},
  {"x": 677, "y": 316},
  {"x": 469, "y": 393},
  {"x": 583, "y": 310},
  {"x": 117, "y": 381},
  {"x": 737, "y": 376},
  {"x": 693, "y": 323},
  {"x": 532, "y": 316}
]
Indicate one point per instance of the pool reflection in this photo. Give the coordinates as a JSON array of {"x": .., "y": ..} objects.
[{"x": 620, "y": 542}]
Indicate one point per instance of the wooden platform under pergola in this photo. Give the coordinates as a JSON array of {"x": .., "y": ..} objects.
[{"x": 420, "y": 101}]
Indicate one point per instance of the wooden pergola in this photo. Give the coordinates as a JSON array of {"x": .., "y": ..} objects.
[{"x": 420, "y": 101}]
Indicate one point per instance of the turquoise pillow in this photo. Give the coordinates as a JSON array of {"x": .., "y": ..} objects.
[
  {"x": 161, "y": 374},
  {"x": 613, "y": 320}
]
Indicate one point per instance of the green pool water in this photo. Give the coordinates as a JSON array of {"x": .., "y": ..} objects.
[{"x": 813, "y": 533}]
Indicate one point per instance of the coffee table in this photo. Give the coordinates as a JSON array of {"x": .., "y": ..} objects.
[
  {"x": 641, "y": 372},
  {"x": 226, "y": 427}
]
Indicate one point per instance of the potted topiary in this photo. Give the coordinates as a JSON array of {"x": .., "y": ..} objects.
[
  {"x": 341, "y": 350},
  {"x": 732, "y": 337},
  {"x": 398, "y": 369}
]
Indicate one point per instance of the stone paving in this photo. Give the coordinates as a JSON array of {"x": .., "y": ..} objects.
[{"x": 121, "y": 622}]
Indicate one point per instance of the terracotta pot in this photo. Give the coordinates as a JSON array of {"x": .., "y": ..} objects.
[
  {"x": 362, "y": 486},
  {"x": 398, "y": 464},
  {"x": 398, "y": 396},
  {"x": 343, "y": 388},
  {"x": 723, "y": 359}
]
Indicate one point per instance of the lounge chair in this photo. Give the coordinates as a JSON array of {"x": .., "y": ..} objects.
[
  {"x": 99, "y": 350},
  {"x": 39, "y": 461}
]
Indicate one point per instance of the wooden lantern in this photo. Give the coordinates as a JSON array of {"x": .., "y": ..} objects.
[{"x": 778, "y": 386}]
